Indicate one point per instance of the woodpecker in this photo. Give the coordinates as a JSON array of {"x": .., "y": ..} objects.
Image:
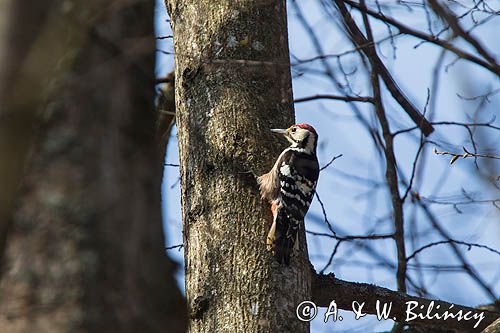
[{"x": 290, "y": 187}]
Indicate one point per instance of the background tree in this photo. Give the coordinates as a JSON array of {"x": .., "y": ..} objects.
[{"x": 82, "y": 246}]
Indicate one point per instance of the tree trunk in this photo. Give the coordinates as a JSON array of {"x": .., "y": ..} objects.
[
  {"x": 232, "y": 85},
  {"x": 20, "y": 93},
  {"x": 85, "y": 251}
]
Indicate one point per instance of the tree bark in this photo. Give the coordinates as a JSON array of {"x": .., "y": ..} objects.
[
  {"x": 84, "y": 251},
  {"x": 21, "y": 90},
  {"x": 493, "y": 328},
  {"x": 232, "y": 85},
  {"x": 327, "y": 288}
]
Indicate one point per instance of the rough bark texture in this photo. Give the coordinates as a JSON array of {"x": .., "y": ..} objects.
[
  {"x": 232, "y": 85},
  {"x": 84, "y": 251},
  {"x": 493, "y": 328}
]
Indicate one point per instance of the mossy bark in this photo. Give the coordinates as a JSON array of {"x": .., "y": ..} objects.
[{"x": 232, "y": 85}]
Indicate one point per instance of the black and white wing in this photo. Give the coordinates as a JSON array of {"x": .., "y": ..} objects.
[{"x": 298, "y": 175}]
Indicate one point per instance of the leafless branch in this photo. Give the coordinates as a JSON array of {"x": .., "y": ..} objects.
[
  {"x": 342, "y": 54},
  {"x": 417, "y": 155},
  {"x": 179, "y": 247},
  {"x": 326, "y": 288},
  {"x": 391, "y": 172},
  {"x": 466, "y": 125},
  {"x": 163, "y": 80},
  {"x": 485, "y": 96},
  {"x": 329, "y": 72},
  {"x": 335, "y": 97},
  {"x": 382, "y": 70},
  {"x": 429, "y": 38},
  {"x": 469, "y": 245},
  {"x": 443, "y": 11},
  {"x": 459, "y": 255},
  {"x": 465, "y": 155},
  {"x": 351, "y": 237},
  {"x": 328, "y": 224},
  {"x": 330, "y": 162}
]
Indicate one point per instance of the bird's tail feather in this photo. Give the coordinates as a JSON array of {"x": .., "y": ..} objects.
[
  {"x": 271, "y": 237},
  {"x": 282, "y": 238}
]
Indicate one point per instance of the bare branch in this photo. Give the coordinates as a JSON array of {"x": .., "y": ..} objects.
[
  {"x": 179, "y": 247},
  {"x": 331, "y": 161},
  {"x": 485, "y": 96},
  {"x": 429, "y": 38},
  {"x": 493, "y": 328},
  {"x": 465, "y": 155},
  {"x": 326, "y": 288},
  {"x": 419, "y": 151},
  {"x": 329, "y": 225},
  {"x": 470, "y": 245},
  {"x": 339, "y": 55},
  {"x": 449, "y": 17},
  {"x": 335, "y": 249},
  {"x": 438, "y": 123},
  {"x": 164, "y": 80},
  {"x": 335, "y": 97},
  {"x": 329, "y": 71},
  {"x": 353, "y": 237},
  {"x": 382, "y": 71},
  {"x": 390, "y": 158},
  {"x": 460, "y": 256}
]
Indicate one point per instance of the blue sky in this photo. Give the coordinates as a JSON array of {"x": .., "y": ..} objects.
[{"x": 353, "y": 204}]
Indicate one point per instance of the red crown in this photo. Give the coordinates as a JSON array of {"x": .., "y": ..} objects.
[{"x": 307, "y": 127}]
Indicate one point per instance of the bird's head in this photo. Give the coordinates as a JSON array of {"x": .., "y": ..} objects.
[{"x": 302, "y": 136}]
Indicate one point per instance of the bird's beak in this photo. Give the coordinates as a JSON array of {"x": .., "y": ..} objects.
[{"x": 280, "y": 131}]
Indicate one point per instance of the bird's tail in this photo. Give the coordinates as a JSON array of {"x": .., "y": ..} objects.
[{"x": 281, "y": 238}]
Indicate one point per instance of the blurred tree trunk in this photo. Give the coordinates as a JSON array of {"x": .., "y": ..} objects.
[
  {"x": 83, "y": 250},
  {"x": 17, "y": 31},
  {"x": 232, "y": 85}
]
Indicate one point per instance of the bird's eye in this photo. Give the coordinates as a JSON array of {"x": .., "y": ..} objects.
[{"x": 294, "y": 129}]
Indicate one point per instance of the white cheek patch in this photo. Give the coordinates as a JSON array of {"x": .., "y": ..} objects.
[{"x": 285, "y": 170}]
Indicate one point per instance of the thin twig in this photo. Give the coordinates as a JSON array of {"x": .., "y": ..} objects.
[
  {"x": 429, "y": 38},
  {"x": 179, "y": 247},
  {"x": 470, "y": 245},
  {"x": 419, "y": 151},
  {"x": 335, "y": 249},
  {"x": 335, "y": 97},
  {"x": 382, "y": 71},
  {"x": 324, "y": 215},
  {"x": 467, "y": 267},
  {"x": 438, "y": 123},
  {"x": 331, "y": 161},
  {"x": 350, "y": 238},
  {"x": 449, "y": 17},
  {"x": 466, "y": 154}
]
